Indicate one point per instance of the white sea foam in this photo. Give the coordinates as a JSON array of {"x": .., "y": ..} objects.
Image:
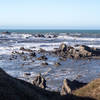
[
  {"x": 67, "y": 37},
  {"x": 15, "y": 41}
]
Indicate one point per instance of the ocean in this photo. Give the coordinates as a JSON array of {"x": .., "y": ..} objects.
[{"x": 48, "y": 40}]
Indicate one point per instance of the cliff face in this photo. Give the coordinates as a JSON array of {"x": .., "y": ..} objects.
[{"x": 15, "y": 89}]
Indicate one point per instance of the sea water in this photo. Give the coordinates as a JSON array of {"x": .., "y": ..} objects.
[{"x": 70, "y": 69}]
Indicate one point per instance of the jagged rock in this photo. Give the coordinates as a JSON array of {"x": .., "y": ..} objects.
[
  {"x": 65, "y": 88},
  {"x": 40, "y": 81},
  {"x": 16, "y": 89},
  {"x": 69, "y": 86},
  {"x": 71, "y": 52}
]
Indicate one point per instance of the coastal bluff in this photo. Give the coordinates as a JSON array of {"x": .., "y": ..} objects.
[{"x": 16, "y": 89}]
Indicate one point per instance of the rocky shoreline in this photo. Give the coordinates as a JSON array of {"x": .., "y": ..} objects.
[
  {"x": 39, "y": 83},
  {"x": 63, "y": 52},
  {"x": 15, "y": 89}
]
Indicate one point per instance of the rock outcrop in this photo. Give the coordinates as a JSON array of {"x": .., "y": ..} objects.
[
  {"x": 83, "y": 51},
  {"x": 40, "y": 81},
  {"x": 68, "y": 86},
  {"x": 15, "y": 89}
]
